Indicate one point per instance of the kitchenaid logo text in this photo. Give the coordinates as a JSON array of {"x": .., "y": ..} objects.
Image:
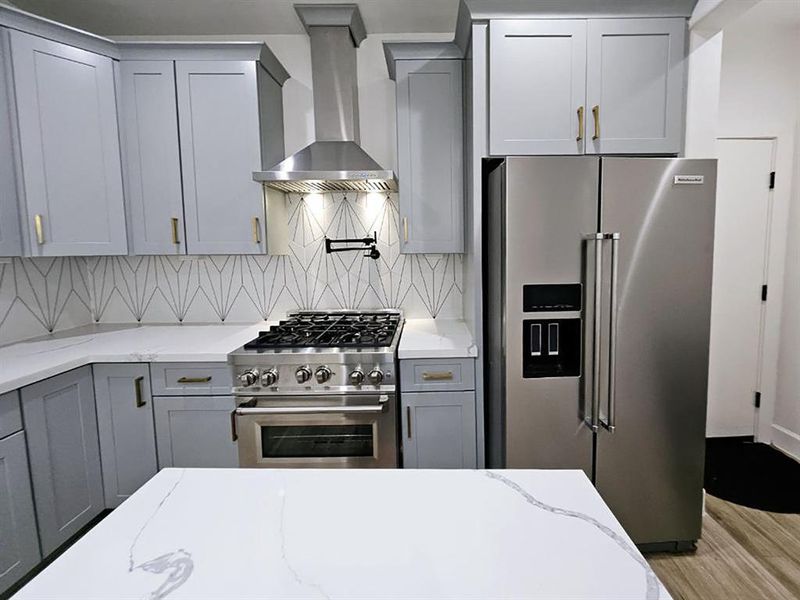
[{"x": 688, "y": 179}]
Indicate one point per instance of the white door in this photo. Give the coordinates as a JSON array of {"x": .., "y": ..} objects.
[
  {"x": 537, "y": 86},
  {"x": 740, "y": 243}
]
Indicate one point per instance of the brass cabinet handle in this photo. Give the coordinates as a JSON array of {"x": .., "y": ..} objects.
[
  {"x": 405, "y": 229},
  {"x": 596, "y": 115},
  {"x": 256, "y": 230},
  {"x": 438, "y": 376},
  {"x": 580, "y": 124},
  {"x": 195, "y": 379},
  {"x": 175, "y": 238},
  {"x": 408, "y": 418},
  {"x": 234, "y": 433},
  {"x": 37, "y": 225},
  {"x": 137, "y": 385}
]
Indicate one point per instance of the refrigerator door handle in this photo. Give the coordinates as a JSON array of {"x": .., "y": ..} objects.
[
  {"x": 610, "y": 423},
  {"x": 593, "y": 421}
]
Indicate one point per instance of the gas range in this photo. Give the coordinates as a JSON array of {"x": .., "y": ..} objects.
[
  {"x": 320, "y": 352},
  {"x": 319, "y": 390}
]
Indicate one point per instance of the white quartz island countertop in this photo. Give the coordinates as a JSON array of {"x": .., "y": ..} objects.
[
  {"x": 240, "y": 534},
  {"x": 30, "y": 361},
  {"x": 436, "y": 338}
]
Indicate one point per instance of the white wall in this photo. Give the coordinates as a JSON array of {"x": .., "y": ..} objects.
[{"x": 760, "y": 96}]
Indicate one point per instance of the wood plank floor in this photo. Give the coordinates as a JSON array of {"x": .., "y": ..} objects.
[{"x": 744, "y": 554}]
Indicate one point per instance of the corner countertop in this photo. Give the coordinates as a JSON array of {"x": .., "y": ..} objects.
[
  {"x": 356, "y": 534},
  {"x": 27, "y": 362},
  {"x": 436, "y": 338}
]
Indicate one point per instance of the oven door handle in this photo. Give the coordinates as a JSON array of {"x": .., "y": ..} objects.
[{"x": 308, "y": 410}]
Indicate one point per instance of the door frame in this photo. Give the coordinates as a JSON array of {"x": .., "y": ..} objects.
[{"x": 765, "y": 378}]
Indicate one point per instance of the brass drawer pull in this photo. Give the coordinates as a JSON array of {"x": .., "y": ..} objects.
[
  {"x": 195, "y": 379},
  {"x": 137, "y": 386},
  {"x": 438, "y": 376},
  {"x": 175, "y": 238},
  {"x": 580, "y": 124},
  {"x": 37, "y": 225},
  {"x": 256, "y": 230},
  {"x": 596, "y": 115},
  {"x": 405, "y": 229}
]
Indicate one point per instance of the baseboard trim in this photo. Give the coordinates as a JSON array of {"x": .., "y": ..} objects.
[{"x": 786, "y": 441}]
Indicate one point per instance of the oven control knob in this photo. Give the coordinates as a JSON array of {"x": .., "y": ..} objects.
[
  {"x": 323, "y": 374},
  {"x": 357, "y": 377},
  {"x": 302, "y": 374},
  {"x": 269, "y": 378},
  {"x": 249, "y": 377},
  {"x": 375, "y": 376}
]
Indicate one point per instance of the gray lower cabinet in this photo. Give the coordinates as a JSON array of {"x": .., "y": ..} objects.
[
  {"x": 19, "y": 544},
  {"x": 126, "y": 429},
  {"x": 195, "y": 431},
  {"x": 61, "y": 429},
  {"x": 430, "y": 155},
  {"x": 70, "y": 173},
  {"x": 438, "y": 430}
]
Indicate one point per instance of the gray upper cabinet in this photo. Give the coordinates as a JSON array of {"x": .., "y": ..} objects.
[
  {"x": 635, "y": 78},
  {"x": 10, "y": 238},
  {"x": 19, "y": 544},
  {"x": 71, "y": 177},
  {"x": 198, "y": 119},
  {"x": 439, "y": 430},
  {"x": 149, "y": 120},
  {"x": 218, "y": 110},
  {"x": 195, "y": 431},
  {"x": 537, "y": 86},
  {"x": 126, "y": 429},
  {"x": 61, "y": 427},
  {"x": 430, "y": 155}
]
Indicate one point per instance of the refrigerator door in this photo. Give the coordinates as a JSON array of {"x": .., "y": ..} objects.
[
  {"x": 650, "y": 469},
  {"x": 550, "y": 209}
]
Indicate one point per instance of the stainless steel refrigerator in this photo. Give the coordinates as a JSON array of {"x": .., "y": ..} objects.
[{"x": 597, "y": 311}]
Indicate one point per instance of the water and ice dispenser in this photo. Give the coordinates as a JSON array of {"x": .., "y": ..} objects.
[{"x": 551, "y": 347}]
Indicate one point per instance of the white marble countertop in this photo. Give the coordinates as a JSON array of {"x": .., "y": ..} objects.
[
  {"x": 30, "y": 361},
  {"x": 436, "y": 338},
  {"x": 240, "y": 534}
]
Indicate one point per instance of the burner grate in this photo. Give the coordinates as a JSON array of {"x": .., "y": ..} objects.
[{"x": 329, "y": 330}]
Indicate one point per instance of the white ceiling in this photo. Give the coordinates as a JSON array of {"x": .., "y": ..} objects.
[{"x": 234, "y": 17}]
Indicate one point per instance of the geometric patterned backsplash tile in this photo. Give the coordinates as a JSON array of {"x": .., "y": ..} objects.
[{"x": 40, "y": 295}]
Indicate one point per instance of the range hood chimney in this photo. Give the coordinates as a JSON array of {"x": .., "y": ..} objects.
[{"x": 335, "y": 161}]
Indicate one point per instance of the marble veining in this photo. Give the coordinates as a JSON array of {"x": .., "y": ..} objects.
[
  {"x": 178, "y": 565},
  {"x": 653, "y": 589},
  {"x": 282, "y": 532}
]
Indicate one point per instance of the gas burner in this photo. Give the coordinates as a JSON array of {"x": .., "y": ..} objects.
[{"x": 346, "y": 329}]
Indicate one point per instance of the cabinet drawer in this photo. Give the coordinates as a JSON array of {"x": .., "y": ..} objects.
[
  {"x": 10, "y": 414},
  {"x": 437, "y": 375},
  {"x": 195, "y": 379}
]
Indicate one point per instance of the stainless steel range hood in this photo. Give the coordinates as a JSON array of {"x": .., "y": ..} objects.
[{"x": 335, "y": 161}]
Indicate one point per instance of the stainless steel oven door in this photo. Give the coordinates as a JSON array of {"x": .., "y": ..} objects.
[{"x": 345, "y": 431}]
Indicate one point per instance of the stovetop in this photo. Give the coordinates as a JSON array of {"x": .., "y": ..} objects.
[{"x": 330, "y": 329}]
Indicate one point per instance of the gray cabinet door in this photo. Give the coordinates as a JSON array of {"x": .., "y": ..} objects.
[
  {"x": 220, "y": 139},
  {"x": 152, "y": 156},
  {"x": 430, "y": 155},
  {"x": 635, "y": 79},
  {"x": 61, "y": 426},
  {"x": 195, "y": 431},
  {"x": 126, "y": 429},
  {"x": 69, "y": 144},
  {"x": 19, "y": 545},
  {"x": 537, "y": 86},
  {"x": 439, "y": 430},
  {"x": 10, "y": 238}
]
